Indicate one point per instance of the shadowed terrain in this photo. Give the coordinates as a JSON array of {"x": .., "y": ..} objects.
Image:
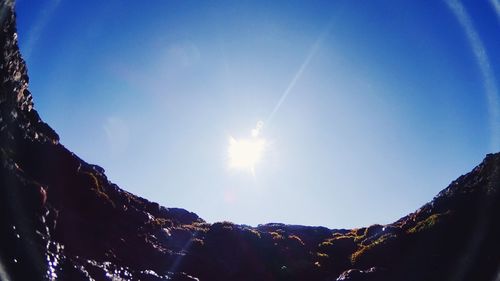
[{"x": 62, "y": 219}]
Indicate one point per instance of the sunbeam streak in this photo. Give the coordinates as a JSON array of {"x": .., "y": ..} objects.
[
  {"x": 483, "y": 62},
  {"x": 314, "y": 49},
  {"x": 496, "y": 7}
]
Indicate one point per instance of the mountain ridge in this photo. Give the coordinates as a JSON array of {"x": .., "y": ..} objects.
[{"x": 62, "y": 219}]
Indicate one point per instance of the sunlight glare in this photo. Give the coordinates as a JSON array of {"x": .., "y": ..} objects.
[{"x": 245, "y": 153}]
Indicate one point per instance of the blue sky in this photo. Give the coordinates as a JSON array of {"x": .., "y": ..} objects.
[{"x": 383, "y": 103}]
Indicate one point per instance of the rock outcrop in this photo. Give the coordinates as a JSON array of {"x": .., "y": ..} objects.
[{"x": 62, "y": 219}]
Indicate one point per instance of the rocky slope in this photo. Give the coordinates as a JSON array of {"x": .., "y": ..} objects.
[{"x": 61, "y": 219}]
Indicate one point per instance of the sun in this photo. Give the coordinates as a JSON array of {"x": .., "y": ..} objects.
[{"x": 244, "y": 154}]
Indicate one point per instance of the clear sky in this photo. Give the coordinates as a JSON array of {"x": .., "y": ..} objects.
[{"x": 367, "y": 108}]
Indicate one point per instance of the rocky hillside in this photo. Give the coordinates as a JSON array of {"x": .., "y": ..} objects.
[{"x": 61, "y": 219}]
